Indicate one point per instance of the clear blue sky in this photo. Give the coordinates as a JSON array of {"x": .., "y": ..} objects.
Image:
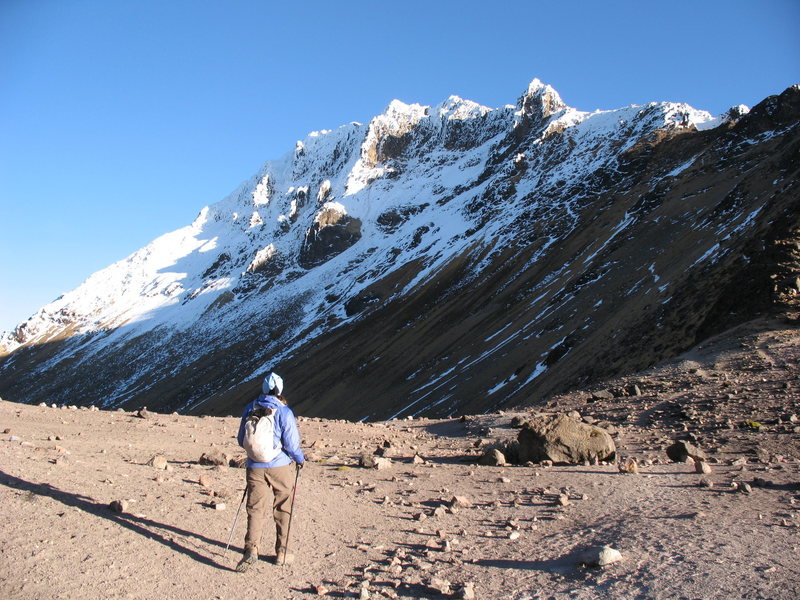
[{"x": 120, "y": 120}]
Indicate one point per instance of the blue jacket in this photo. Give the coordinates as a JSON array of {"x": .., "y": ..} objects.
[{"x": 285, "y": 432}]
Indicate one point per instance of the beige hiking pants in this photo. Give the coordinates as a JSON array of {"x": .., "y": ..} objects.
[{"x": 278, "y": 483}]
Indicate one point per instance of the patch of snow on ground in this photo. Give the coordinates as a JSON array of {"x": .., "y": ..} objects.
[
  {"x": 621, "y": 226},
  {"x": 538, "y": 370},
  {"x": 711, "y": 251},
  {"x": 680, "y": 169}
]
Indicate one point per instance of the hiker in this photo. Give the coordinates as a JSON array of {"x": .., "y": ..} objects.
[{"x": 271, "y": 469}]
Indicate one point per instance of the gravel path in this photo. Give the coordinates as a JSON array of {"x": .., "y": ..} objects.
[{"x": 395, "y": 532}]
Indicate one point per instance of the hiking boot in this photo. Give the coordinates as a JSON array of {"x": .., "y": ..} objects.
[
  {"x": 250, "y": 557},
  {"x": 284, "y": 558}
]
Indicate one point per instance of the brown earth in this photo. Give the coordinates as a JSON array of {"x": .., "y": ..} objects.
[{"x": 737, "y": 397}]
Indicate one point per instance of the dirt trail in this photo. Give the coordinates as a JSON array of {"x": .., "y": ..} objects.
[{"x": 391, "y": 532}]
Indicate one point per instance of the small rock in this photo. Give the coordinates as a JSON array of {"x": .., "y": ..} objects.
[
  {"x": 770, "y": 569},
  {"x": 629, "y": 466},
  {"x": 702, "y": 466},
  {"x": 745, "y": 488},
  {"x": 321, "y": 590},
  {"x": 241, "y": 462},
  {"x": 119, "y": 506},
  {"x": 382, "y": 463},
  {"x": 440, "y": 585},
  {"x": 610, "y": 428},
  {"x": 460, "y": 502},
  {"x": 513, "y": 535},
  {"x": 143, "y": 413},
  {"x": 562, "y": 500},
  {"x": 158, "y": 462},
  {"x": 205, "y": 480},
  {"x": 418, "y": 460},
  {"x": 600, "y": 556},
  {"x": 468, "y": 591},
  {"x": 218, "y": 505},
  {"x": 367, "y": 461},
  {"x": 214, "y": 457},
  {"x": 492, "y": 458}
]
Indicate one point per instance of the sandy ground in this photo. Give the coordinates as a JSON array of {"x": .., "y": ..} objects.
[{"x": 361, "y": 532}]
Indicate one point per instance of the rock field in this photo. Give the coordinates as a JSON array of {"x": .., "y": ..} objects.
[{"x": 106, "y": 505}]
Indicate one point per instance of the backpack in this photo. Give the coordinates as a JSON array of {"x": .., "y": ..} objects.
[{"x": 259, "y": 435}]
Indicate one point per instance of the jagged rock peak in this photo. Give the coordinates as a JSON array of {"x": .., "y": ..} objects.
[
  {"x": 400, "y": 112},
  {"x": 539, "y": 102},
  {"x": 456, "y": 107},
  {"x": 397, "y": 120},
  {"x": 734, "y": 113}
]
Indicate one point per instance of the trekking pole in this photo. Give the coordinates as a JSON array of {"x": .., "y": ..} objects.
[
  {"x": 230, "y": 537},
  {"x": 291, "y": 514}
]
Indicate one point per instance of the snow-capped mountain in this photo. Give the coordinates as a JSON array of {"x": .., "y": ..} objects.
[{"x": 440, "y": 260}]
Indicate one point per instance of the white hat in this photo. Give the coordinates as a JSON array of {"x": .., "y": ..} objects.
[{"x": 272, "y": 382}]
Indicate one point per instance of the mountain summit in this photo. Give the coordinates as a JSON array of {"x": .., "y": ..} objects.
[{"x": 439, "y": 261}]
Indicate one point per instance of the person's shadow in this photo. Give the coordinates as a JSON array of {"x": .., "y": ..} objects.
[{"x": 145, "y": 527}]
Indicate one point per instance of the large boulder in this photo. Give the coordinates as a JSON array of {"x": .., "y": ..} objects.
[
  {"x": 682, "y": 450},
  {"x": 562, "y": 439},
  {"x": 332, "y": 232}
]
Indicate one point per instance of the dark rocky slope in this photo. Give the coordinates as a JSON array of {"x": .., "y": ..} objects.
[{"x": 377, "y": 365}]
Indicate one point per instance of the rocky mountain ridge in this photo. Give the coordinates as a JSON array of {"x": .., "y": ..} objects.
[{"x": 441, "y": 260}]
